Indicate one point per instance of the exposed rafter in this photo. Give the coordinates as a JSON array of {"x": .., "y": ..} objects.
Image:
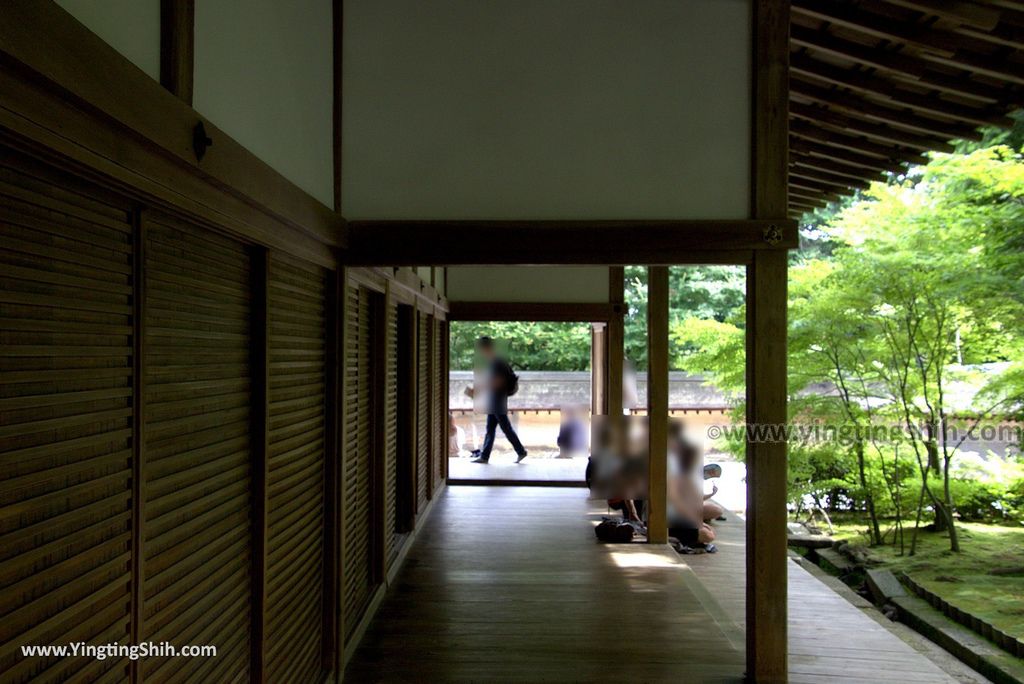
[{"x": 877, "y": 84}]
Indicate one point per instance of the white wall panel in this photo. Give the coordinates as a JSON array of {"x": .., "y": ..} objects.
[
  {"x": 132, "y": 27},
  {"x": 263, "y": 74},
  {"x": 546, "y": 109},
  {"x": 577, "y": 284}
]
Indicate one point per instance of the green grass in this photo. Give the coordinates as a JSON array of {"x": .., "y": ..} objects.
[{"x": 963, "y": 579}]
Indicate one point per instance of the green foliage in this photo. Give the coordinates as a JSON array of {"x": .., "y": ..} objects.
[
  {"x": 701, "y": 346},
  {"x": 989, "y": 489},
  {"x": 908, "y": 284},
  {"x": 709, "y": 293},
  {"x": 529, "y": 346}
]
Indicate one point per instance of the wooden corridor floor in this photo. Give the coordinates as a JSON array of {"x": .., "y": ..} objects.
[
  {"x": 507, "y": 584},
  {"x": 831, "y": 638}
]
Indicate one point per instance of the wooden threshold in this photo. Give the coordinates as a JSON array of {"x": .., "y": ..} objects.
[{"x": 515, "y": 483}]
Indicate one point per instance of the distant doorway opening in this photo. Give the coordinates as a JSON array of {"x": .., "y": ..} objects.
[{"x": 550, "y": 413}]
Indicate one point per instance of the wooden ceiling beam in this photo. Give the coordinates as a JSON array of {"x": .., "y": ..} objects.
[
  {"x": 833, "y": 166},
  {"x": 897, "y": 63},
  {"x": 812, "y": 147},
  {"x": 508, "y": 242},
  {"x": 935, "y": 44},
  {"x": 798, "y": 202},
  {"x": 957, "y": 11},
  {"x": 855, "y": 105},
  {"x": 806, "y": 196},
  {"x": 813, "y": 195},
  {"x": 1004, "y": 67},
  {"x": 1005, "y": 35},
  {"x": 872, "y": 130},
  {"x": 803, "y": 129},
  {"x": 798, "y": 209},
  {"x": 798, "y": 170},
  {"x": 872, "y": 83},
  {"x": 818, "y": 185},
  {"x": 878, "y": 26}
]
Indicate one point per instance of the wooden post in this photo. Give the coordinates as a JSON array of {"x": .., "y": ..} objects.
[
  {"x": 657, "y": 402},
  {"x": 616, "y": 336},
  {"x": 177, "y": 47},
  {"x": 766, "y": 353},
  {"x": 260, "y": 448},
  {"x": 598, "y": 369}
]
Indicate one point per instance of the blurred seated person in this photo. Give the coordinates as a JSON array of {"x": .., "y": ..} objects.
[
  {"x": 613, "y": 473},
  {"x": 712, "y": 510},
  {"x": 687, "y": 503},
  {"x": 572, "y": 433},
  {"x": 456, "y": 437}
]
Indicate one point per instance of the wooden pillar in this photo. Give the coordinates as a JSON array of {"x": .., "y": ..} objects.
[
  {"x": 616, "y": 337},
  {"x": 766, "y": 353},
  {"x": 177, "y": 43},
  {"x": 598, "y": 369},
  {"x": 657, "y": 402}
]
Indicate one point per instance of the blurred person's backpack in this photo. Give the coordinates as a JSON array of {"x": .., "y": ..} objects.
[{"x": 511, "y": 380}]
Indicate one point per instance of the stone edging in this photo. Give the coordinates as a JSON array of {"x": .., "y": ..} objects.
[{"x": 1007, "y": 642}]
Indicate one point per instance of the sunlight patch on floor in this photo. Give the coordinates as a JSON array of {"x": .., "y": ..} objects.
[{"x": 642, "y": 559}]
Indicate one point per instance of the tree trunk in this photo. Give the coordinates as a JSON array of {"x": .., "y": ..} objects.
[
  {"x": 954, "y": 537},
  {"x": 869, "y": 500}
]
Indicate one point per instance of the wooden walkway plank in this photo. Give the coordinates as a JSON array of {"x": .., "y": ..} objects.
[
  {"x": 507, "y": 584},
  {"x": 830, "y": 639}
]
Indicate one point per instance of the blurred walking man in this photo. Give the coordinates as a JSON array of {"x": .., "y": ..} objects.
[{"x": 499, "y": 382}]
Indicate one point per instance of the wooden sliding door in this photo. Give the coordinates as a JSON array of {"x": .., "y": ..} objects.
[
  {"x": 66, "y": 411},
  {"x": 297, "y": 355},
  {"x": 423, "y": 411},
  {"x": 197, "y": 430},
  {"x": 439, "y": 418},
  {"x": 391, "y": 387},
  {"x": 360, "y": 448}
]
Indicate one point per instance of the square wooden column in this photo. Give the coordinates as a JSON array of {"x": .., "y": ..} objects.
[
  {"x": 657, "y": 402},
  {"x": 598, "y": 369},
  {"x": 766, "y": 351}
]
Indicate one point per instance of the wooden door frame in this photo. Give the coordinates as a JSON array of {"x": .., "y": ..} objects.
[{"x": 582, "y": 313}]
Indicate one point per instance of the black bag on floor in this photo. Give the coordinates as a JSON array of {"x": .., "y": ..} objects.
[{"x": 614, "y": 531}]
